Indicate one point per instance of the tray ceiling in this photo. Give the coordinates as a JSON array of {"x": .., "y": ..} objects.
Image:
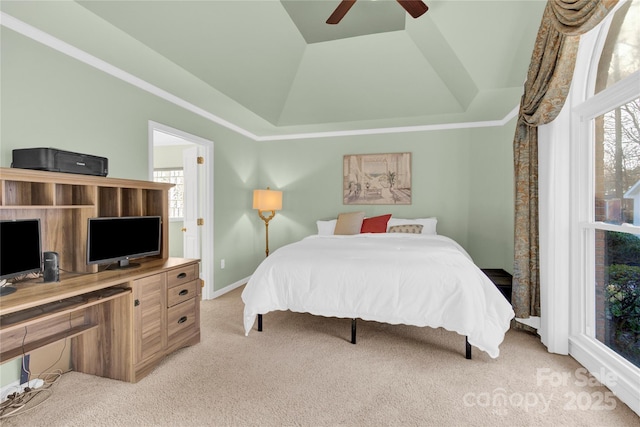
[{"x": 275, "y": 67}]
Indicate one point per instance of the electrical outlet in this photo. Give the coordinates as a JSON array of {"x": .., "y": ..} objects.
[{"x": 222, "y": 263}]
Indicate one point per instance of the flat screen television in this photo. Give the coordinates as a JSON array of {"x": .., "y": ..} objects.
[
  {"x": 116, "y": 240},
  {"x": 20, "y": 250}
]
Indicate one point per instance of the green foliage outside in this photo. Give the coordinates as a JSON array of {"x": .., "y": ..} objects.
[
  {"x": 623, "y": 310},
  {"x": 623, "y": 248},
  {"x": 622, "y": 293}
]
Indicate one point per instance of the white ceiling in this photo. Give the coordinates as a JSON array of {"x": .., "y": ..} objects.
[{"x": 277, "y": 68}]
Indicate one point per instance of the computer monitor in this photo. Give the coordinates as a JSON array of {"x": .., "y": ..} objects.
[
  {"x": 116, "y": 240},
  {"x": 20, "y": 250}
]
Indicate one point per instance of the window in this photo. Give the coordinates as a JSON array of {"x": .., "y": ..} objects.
[
  {"x": 176, "y": 193},
  {"x": 621, "y": 52},
  {"x": 615, "y": 245},
  {"x": 600, "y": 178},
  {"x": 612, "y": 246}
]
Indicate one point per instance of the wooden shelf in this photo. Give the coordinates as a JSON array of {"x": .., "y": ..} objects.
[
  {"x": 29, "y": 347},
  {"x": 32, "y": 328},
  {"x": 116, "y": 320},
  {"x": 64, "y": 203},
  {"x": 35, "y": 293},
  {"x": 30, "y": 316},
  {"x": 31, "y": 207}
]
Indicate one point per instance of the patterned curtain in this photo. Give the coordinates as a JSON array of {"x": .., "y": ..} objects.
[{"x": 548, "y": 81}]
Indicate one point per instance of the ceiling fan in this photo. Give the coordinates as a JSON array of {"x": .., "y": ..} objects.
[{"x": 415, "y": 8}]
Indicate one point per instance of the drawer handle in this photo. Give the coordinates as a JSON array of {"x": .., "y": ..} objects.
[
  {"x": 182, "y": 319},
  {"x": 182, "y": 275},
  {"x": 183, "y": 292}
]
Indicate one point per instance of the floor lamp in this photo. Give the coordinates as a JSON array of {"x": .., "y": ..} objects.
[{"x": 263, "y": 201}]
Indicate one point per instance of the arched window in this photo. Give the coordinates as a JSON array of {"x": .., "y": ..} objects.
[
  {"x": 613, "y": 246},
  {"x": 620, "y": 55},
  {"x": 603, "y": 202}
]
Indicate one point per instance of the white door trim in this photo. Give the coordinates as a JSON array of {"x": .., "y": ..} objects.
[
  {"x": 206, "y": 202},
  {"x": 191, "y": 198}
]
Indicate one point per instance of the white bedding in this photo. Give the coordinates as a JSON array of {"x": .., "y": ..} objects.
[{"x": 396, "y": 278}]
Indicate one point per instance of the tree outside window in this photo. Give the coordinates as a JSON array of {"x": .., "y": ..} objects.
[{"x": 616, "y": 195}]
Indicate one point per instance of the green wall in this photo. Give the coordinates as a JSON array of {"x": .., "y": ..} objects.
[
  {"x": 51, "y": 100},
  {"x": 491, "y": 197},
  {"x": 463, "y": 177}
]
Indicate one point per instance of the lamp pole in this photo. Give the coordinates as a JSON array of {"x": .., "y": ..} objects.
[
  {"x": 265, "y": 201},
  {"x": 266, "y": 228},
  {"x": 266, "y": 251}
]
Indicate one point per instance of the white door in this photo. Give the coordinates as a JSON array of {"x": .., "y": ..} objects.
[
  {"x": 200, "y": 188},
  {"x": 191, "y": 232}
]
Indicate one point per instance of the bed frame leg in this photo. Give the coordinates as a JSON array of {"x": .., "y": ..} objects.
[
  {"x": 468, "y": 347},
  {"x": 353, "y": 331},
  {"x": 259, "y": 322}
]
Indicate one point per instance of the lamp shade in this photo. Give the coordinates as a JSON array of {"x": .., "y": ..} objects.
[{"x": 267, "y": 200}]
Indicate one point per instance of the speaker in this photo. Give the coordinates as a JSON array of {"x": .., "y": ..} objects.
[{"x": 51, "y": 267}]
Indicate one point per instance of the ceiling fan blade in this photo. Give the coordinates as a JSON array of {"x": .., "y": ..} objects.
[
  {"x": 415, "y": 8},
  {"x": 340, "y": 11}
]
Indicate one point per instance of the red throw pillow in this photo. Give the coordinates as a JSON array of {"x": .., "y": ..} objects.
[{"x": 376, "y": 224}]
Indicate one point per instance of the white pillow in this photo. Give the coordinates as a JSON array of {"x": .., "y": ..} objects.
[
  {"x": 326, "y": 228},
  {"x": 428, "y": 224}
]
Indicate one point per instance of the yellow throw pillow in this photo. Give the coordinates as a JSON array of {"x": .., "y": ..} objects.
[{"x": 349, "y": 223}]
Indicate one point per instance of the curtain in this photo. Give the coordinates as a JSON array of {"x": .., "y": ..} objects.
[{"x": 545, "y": 91}]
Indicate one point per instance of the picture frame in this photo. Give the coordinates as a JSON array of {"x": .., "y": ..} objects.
[{"x": 377, "y": 179}]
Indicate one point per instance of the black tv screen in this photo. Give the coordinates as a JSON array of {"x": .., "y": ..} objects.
[
  {"x": 118, "y": 239},
  {"x": 20, "y": 247}
]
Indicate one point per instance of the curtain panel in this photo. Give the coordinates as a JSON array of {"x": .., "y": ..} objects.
[{"x": 545, "y": 91}]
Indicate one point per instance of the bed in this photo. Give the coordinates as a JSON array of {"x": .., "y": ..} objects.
[{"x": 397, "y": 278}]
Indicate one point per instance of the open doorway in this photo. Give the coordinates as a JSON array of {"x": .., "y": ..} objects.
[{"x": 186, "y": 160}]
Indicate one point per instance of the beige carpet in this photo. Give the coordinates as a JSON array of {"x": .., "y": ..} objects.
[{"x": 303, "y": 371}]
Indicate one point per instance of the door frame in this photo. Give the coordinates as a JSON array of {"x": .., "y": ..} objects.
[{"x": 205, "y": 195}]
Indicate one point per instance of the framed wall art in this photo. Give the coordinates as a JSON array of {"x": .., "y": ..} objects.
[{"x": 377, "y": 179}]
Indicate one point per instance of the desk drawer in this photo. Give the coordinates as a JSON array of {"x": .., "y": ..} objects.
[
  {"x": 182, "y": 275},
  {"x": 181, "y": 321},
  {"x": 181, "y": 293}
]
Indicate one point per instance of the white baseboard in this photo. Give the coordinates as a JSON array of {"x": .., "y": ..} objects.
[
  {"x": 533, "y": 322},
  {"x": 230, "y": 287}
]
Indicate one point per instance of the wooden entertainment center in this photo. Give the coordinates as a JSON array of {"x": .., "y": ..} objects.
[{"x": 120, "y": 323}]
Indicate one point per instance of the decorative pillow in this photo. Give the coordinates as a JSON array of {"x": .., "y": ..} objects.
[
  {"x": 376, "y": 224},
  {"x": 325, "y": 228},
  {"x": 349, "y": 223},
  {"x": 407, "y": 228},
  {"x": 428, "y": 224}
]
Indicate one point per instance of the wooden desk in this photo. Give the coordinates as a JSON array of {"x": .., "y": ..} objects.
[{"x": 121, "y": 323}]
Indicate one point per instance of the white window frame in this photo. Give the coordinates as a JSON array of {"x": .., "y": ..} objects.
[
  {"x": 173, "y": 218},
  {"x": 621, "y": 376}
]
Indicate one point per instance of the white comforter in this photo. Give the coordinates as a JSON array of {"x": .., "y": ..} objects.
[{"x": 396, "y": 278}]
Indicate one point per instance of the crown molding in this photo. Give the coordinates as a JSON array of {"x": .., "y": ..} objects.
[{"x": 47, "y": 39}]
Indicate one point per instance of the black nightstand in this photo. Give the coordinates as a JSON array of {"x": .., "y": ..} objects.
[{"x": 501, "y": 279}]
